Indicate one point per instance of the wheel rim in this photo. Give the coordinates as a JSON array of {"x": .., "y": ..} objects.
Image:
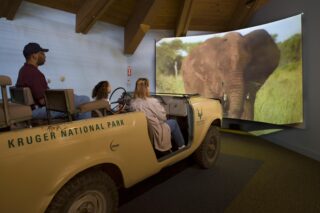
[
  {"x": 89, "y": 202},
  {"x": 212, "y": 147}
]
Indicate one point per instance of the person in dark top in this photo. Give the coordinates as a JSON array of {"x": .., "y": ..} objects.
[
  {"x": 101, "y": 91},
  {"x": 30, "y": 76}
]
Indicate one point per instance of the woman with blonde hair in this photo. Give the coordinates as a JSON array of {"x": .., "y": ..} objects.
[{"x": 161, "y": 128}]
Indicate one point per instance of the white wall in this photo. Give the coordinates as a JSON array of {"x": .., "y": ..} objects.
[
  {"x": 143, "y": 60},
  {"x": 82, "y": 59}
]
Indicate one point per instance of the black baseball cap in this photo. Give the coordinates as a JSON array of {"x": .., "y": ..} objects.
[{"x": 32, "y": 48}]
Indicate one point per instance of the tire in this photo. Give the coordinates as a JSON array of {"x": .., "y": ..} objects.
[
  {"x": 207, "y": 153},
  {"x": 92, "y": 192}
]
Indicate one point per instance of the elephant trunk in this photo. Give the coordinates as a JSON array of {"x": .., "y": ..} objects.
[
  {"x": 236, "y": 96},
  {"x": 239, "y": 58}
]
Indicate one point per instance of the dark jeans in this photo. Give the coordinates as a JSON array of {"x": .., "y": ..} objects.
[{"x": 176, "y": 132}]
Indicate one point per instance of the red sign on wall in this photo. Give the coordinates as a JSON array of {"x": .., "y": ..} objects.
[{"x": 129, "y": 71}]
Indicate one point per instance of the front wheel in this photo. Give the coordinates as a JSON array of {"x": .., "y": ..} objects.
[
  {"x": 208, "y": 152},
  {"x": 91, "y": 192}
]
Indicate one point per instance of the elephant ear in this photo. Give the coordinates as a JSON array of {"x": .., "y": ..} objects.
[{"x": 265, "y": 55}]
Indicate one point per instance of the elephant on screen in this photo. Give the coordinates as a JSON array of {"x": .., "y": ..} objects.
[{"x": 232, "y": 68}]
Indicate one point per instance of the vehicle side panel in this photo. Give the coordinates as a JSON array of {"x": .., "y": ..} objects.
[
  {"x": 205, "y": 112},
  {"x": 35, "y": 163}
]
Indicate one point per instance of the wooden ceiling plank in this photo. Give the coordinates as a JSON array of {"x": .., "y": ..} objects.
[
  {"x": 185, "y": 17},
  {"x": 243, "y": 13},
  {"x": 89, "y": 13},
  {"x": 3, "y": 6},
  {"x": 9, "y": 8},
  {"x": 139, "y": 24}
]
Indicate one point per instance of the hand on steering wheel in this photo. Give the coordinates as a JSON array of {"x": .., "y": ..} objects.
[{"x": 117, "y": 105}]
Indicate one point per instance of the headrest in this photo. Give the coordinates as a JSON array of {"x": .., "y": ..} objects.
[{"x": 5, "y": 80}]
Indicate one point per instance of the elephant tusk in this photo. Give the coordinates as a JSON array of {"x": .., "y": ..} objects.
[
  {"x": 248, "y": 96},
  {"x": 225, "y": 97}
]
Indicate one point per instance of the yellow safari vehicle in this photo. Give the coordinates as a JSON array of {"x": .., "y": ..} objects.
[{"x": 78, "y": 166}]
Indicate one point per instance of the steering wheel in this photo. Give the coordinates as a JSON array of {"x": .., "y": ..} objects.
[{"x": 119, "y": 99}]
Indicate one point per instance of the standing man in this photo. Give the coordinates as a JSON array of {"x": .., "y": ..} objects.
[{"x": 30, "y": 76}]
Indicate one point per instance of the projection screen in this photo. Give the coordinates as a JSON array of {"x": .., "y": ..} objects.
[{"x": 256, "y": 72}]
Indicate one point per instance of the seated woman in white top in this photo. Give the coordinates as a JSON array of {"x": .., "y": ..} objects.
[{"x": 156, "y": 115}]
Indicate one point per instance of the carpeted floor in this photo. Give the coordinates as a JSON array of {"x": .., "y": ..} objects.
[
  {"x": 251, "y": 175},
  {"x": 286, "y": 181},
  {"x": 187, "y": 188}
]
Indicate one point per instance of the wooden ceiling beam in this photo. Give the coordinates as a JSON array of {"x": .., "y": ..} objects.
[
  {"x": 243, "y": 13},
  {"x": 184, "y": 19},
  {"x": 139, "y": 24},
  {"x": 9, "y": 8},
  {"x": 89, "y": 13}
]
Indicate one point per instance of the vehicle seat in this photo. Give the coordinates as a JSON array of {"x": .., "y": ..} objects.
[
  {"x": 21, "y": 95},
  {"x": 99, "y": 108},
  {"x": 11, "y": 113},
  {"x": 62, "y": 100}
]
